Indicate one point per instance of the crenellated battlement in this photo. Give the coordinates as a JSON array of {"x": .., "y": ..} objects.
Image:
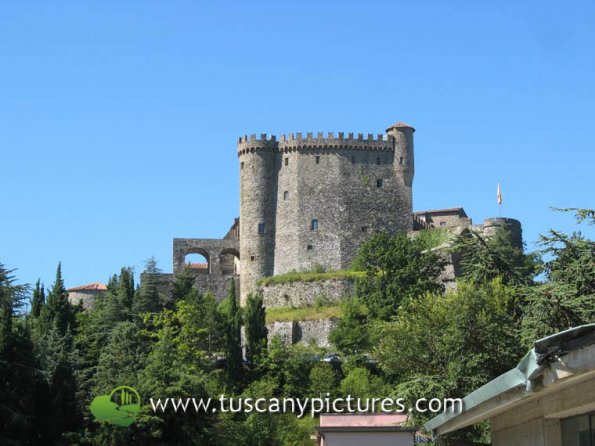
[
  {"x": 250, "y": 144},
  {"x": 330, "y": 140}
]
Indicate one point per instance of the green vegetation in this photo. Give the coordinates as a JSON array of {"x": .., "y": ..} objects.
[
  {"x": 432, "y": 238},
  {"x": 309, "y": 276},
  {"x": 399, "y": 336},
  {"x": 303, "y": 313}
]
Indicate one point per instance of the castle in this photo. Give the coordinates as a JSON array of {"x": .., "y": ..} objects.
[{"x": 308, "y": 202}]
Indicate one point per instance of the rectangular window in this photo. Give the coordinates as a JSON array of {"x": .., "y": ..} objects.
[
  {"x": 261, "y": 228},
  {"x": 309, "y": 247},
  {"x": 287, "y": 161},
  {"x": 401, "y": 160},
  {"x": 252, "y": 258},
  {"x": 579, "y": 430},
  {"x": 286, "y": 195},
  {"x": 364, "y": 229},
  {"x": 317, "y": 160},
  {"x": 314, "y": 225},
  {"x": 379, "y": 182}
]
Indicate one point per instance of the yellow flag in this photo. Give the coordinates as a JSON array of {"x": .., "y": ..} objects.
[{"x": 499, "y": 194}]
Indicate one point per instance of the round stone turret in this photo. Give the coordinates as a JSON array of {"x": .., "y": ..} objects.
[
  {"x": 258, "y": 186},
  {"x": 492, "y": 225}
]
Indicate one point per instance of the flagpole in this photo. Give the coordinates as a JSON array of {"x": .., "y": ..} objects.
[{"x": 499, "y": 198}]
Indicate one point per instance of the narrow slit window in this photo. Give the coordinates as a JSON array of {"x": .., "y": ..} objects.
[
  {"x": 353, "y": 160},
  {"x": 401, "y": 160},
  {"x": 287, "y": 161},
  {"x": 317, "y": 160},
  {"x": 378, "y": 161},
  {"x": 379, "y": 182},
  {"x": 242, "y": 165},
  {"x": 314, "y": 224}
]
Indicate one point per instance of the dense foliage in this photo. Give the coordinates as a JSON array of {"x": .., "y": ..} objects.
[{"x": 399, "y": 336}]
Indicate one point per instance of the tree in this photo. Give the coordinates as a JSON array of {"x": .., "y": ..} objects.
[
  {"x": 38, "y": 300},
  {"x": 397, "y": 268},
  {"x": 451, "y": 344},
  {"x": 58, "y": 312},
  {"x": 183, "y": 285},
  {"x": 233, "y": 338},
  {"x": 12, "y": 297},
  {"x": 255, "y": 327},
  {"x": 147, "y": 299},
  {"x": 323, "y": 379},
  {"x": 482, "y": 259},
  {"x": 567, "y": 299},
  {"x": 126, "y": 287},
  {"x": 351, "y": 334}
]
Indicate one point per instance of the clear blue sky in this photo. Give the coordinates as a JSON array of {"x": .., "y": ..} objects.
[{"x": 119, "y": 119}]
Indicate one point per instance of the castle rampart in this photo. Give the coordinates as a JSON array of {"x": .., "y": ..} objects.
[{"x": 310, "y": 200}]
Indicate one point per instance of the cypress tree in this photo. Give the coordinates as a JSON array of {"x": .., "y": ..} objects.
[
  {"x": 256, "y": 329},
  {"x": 38, "y": 300},
  {"x": 58, "y": 312},
  {"x": 233, "y": 338},
  {"x": 126, "y": 287}
]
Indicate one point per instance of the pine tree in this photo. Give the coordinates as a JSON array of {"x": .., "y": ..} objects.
[
  {"x": 233, "y": 339},
  {"x": 256, "y": 329},
  {"x": 38, "y": 300}
]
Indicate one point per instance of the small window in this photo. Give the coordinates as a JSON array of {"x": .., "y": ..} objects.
[
  {"x": 261, "y": 228},
  {"x": 364, "y": 229},
  {"x": 442, "y": 223},
  {"x": 314, "y": 224},
  {"x": 378, "y": 161},
  {"x": 379, "y": 182},
  {"x": 252, "y": 258},
  {"x": 287, "y": 161},
  {"x": 242, "y": 165},
  {"x": 353, "y": 160},
  {"x": 401, "y": 160},
  {"x": 309, "y": 247},
  {"x": 317, "y": 160},
  {"x": 286, "y": 195}
]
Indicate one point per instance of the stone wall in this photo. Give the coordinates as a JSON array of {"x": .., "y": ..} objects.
[
  {"x": 302, "y": 294},
  {"x": 304, "y": 332},
  {"x": 86, "y": 297},
  {"x": 350, "y": 186}
]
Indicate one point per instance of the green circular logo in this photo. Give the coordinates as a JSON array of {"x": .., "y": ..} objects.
[{"x": 119, "y": 408}]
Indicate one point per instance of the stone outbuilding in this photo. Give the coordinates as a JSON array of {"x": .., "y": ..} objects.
[{"x": 87, "y": 294}]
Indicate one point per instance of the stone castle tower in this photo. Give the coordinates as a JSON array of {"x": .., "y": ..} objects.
[{"x": 310, "y": 201}]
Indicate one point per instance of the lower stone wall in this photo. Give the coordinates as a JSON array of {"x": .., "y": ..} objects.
[
  {"x": 303, "y": 294},
  {"x": 216, "y": 284},
  {"x": 310, "y": 332},
  {"x": 85, "y": 297}
]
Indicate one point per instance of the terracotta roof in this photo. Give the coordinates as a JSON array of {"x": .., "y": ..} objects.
[
  {"x": 400, "y": 125},
  {"x": 198, "y": 265},
  {"x": 89, "y": 287}
]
